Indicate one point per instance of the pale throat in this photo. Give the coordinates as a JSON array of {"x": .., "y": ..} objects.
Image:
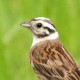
[{"x": 50, "y": 37}]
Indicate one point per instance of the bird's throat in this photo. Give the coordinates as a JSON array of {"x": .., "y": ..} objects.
[{"x": 50, "y": 37}]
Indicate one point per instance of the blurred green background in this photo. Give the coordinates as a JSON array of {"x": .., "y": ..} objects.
[{"x": 15, "y": 40}]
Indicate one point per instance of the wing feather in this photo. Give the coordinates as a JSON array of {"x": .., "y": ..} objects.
[{"x": 52, "y": 62}]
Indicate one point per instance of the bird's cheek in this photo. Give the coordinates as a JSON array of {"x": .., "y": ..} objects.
[{"x": 47, "y": 32}]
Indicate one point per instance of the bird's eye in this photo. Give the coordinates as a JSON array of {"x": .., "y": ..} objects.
[{"x": 39, "y": 25}]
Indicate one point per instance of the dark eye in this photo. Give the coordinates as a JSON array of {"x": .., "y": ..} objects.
[{"x": 39, "y": 25}]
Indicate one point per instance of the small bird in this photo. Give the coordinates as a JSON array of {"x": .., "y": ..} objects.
[{"x": 49, "y": 59}]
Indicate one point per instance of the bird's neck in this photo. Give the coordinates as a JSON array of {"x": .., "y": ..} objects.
[{"x": 50, "y": 37}]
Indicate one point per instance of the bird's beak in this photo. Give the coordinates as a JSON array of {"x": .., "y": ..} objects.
[{"x": 26, "y": 24}]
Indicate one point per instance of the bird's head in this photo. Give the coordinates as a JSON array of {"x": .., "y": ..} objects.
[{"x": 41, "y": 28}]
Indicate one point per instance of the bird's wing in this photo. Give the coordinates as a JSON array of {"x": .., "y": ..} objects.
[
  {"x": 53, "y": 62},
  {"x": 79, "y": 69}
]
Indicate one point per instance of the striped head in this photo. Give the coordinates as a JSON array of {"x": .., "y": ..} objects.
[{"x": 41, "y": 28}]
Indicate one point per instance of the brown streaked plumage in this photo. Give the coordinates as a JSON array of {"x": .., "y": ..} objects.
[{"x": 49, "y": 59}]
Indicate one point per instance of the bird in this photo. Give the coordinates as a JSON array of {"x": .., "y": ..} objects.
[{"x": 48, "y": 57}]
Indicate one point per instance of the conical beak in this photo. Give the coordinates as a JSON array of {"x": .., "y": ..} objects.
[{"x": 26, "y": 24}]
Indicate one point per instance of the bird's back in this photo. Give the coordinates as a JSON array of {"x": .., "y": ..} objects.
[{"x": 51, "y": 61}]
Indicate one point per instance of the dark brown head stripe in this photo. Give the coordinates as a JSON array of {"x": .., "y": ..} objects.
[
  {"x": 50, "y": 30},
  {"x": 48, "y": 21}
]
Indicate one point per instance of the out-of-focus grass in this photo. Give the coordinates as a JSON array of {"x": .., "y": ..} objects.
[{"x": 15, "y": 41}]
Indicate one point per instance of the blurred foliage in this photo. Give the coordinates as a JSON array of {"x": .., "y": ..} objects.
[{"x": 15, "y": 41}]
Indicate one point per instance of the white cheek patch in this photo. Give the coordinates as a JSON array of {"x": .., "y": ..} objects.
[{"x": 47, "y": 32}]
